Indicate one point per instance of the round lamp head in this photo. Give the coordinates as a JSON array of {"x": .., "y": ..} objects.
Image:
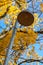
[{"x": 25, "y": 18}]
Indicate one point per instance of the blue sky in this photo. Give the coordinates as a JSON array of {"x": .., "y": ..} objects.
[
  {"x": 2, "y": 25},
  {"x": 40, "y": 52}
]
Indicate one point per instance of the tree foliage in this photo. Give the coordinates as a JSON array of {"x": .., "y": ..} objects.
[
  {"x": 22, "y": 39},
  {"x": 24, "y": 36}
]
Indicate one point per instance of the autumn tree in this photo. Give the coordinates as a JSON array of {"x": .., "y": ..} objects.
[{"x": 26, "y": 36}]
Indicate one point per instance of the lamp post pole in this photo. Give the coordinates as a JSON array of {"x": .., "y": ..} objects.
[{"x": 10, "y": 45}]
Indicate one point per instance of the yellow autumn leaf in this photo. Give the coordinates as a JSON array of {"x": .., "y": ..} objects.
[
  {"x": 41, "y": 7},
  {"x": 15, "y": 64}
]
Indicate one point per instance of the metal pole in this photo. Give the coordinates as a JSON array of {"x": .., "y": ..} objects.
[{"x": 10, "y": 45}]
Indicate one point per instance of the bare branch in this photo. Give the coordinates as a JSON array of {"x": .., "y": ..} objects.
[
  {"x": 39, "y": 32},
  {"x": 31, "y": 60}
]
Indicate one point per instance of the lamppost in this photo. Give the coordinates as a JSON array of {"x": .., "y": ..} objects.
[{"x": 25, "y": 18}]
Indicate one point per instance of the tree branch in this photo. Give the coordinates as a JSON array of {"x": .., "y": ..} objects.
[
  {"x": 31, "y": 60},
  {"x": 39, "y": 32}
]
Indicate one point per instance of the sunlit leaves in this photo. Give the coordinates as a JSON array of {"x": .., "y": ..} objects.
[
  {"x": 3, "y": 6},
  {"x": 36, "y": 19},
  {"x": 4, "y": 2},
  {"x": 13, "y": 11},
  {"x": 10, "y": 63},
  {"x": 21, "y": 40},
  {"x": 2, "y": 10},
  {"x": 1, "y": 59},
  {"x": 6, "y": 40},
  {"x": 25, "y": 39},
  {"x": 41, "y": 7}
]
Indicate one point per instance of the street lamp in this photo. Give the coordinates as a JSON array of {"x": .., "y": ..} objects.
[{"x": 25, "y": 18}]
